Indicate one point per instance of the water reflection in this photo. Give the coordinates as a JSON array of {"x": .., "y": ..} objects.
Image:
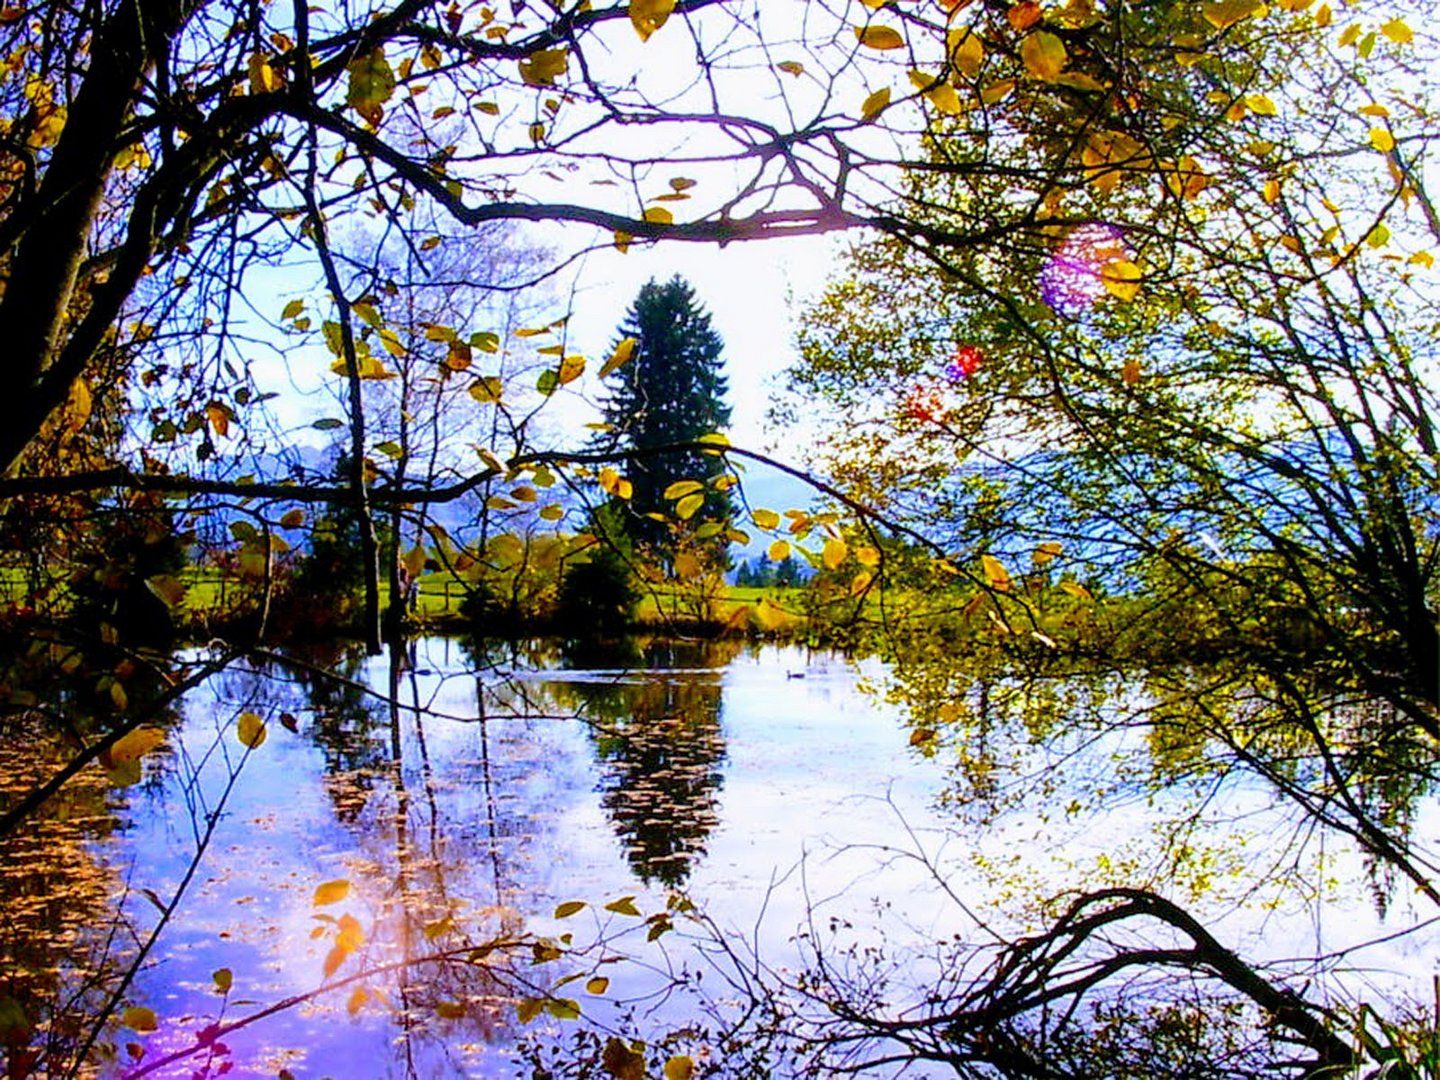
[{"x": 660, "y": 743}]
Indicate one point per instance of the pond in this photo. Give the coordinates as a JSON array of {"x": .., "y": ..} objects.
[{"x": 390, "y": 884}]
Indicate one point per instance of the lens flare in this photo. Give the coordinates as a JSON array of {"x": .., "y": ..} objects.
[{"x": 1072, "y": 282}]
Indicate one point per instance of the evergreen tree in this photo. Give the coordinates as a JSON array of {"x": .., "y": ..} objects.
[{"x": 671, "y": 392}]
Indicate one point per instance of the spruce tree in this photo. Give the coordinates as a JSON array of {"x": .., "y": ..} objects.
[{"x": 671, "y": 392}]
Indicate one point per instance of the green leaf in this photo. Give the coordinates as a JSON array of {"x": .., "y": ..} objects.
[
  {"x": 568, "y": 908},
  {"x": 372, "y": 84}
]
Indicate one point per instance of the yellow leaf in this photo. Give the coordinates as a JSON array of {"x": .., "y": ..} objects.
[
  {"x": 1044, "y": 55},
  {"x": 138, "y": 1018},
  {"x": 872, "y": 105},
  {"x": 223, "y": 978},
  {"x": 571, "y": 368},
  {"x": 544, "y": 66},
  {"x": 135, "y": 744},
  {"x": 1271, "y": 191},
  {"x": 1046, "y": 552},
  {"x": 861, "y": 582},
  {"x": 1261, "y": 105},
  {"x": 1226, "y": 13},
  {"x": 620, "y": 357},
  {"x": 779, "y": 551},
  {"x": 331, "y": 892},
  {"x": 647, "y": 16},
  {"x": 1130, "y": 372},
  {"x": 997, "y": 91},
  {"x": 680, "y": 488},
  {"x": 333, "y": 959},
  {"x": 391, "y": 341},
  {"x": 1323, "y": 16},
  {"x": 1348, "y": 35},
  {"x": 1374, "y": 110},
  {"x": 944, "y": 98},
  {"x": 528, "y": 1009},
  {"x": 449, "y": 1010},
  {"x": 489, "y": 108},
  {"x": 414, "y": 561},
  {"x": 1121, "y": 278},
  {"x": 597, "y": 985},
  {"x": 967, "y": 52},
  {"x": 1075, "y": 589},
  {"x": 687, "y": 567},
  {"x": 879, "y": 37},
  {"x": 622, "y": 241},
  {"x": 791, "y": 67},
  {"x": 679, "y": 1068},
  {"x": 568, "y": 908},
  {"x": 1382, "y": 140},
  {"x": 1398, "y": 32},
  {"x": 487, "y": 389},
  {"x": 1422, "y": 258},
  {"x": 292, "y": 519},
  {"x": 262, "y": 76},
  {"x": 552, "y": 512},
  {"x": 356, "y": 1000},
  {"x": 834, "y": 554},
  {"x": 995, "y": 573},
  {"x": 250, "y": 730},
  {"x": 658, "y": 215}
]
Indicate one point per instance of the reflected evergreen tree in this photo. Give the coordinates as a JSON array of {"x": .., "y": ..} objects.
[
  {"x": 670, "y": 392},
  {"x": 661, "y": 746}
]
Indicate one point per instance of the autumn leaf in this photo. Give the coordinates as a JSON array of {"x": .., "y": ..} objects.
[
  {"x": 620, "y": 357},
  {"x": 1398, "y": 32},
  {"x": 487, "y": 389},
  {"x": 647, "y": 16},
  {"x": 879, "y": 37},
  {"x": 686, "y": 508},
  {"x": 658, "y": 215},
  {"x": 571, "y": 368},
  {"x": 544, "y": 66},
  {"x": 622, "y": 1062},
  {"x": 568, "y": 908},
  {"x": 967, "y": 52},
  {"x": 372, "y": 84},
  {"x": 223, "y": 979},
  {"x": 779, "y": 551},
  {"x": 1121, "y": 279},
  {"x": 331, "y": 892},
  {"x": 874, "y": 103},
  {"x": 791, "y": 67},
  {"x": 138, "y": 1018},
  {"x": 1382, "y": 140},
  {"x": 765, "y": 519},
  {"x": 250, "y": 730},
  {"x": 680, "y": 488},
  {"x": 624, "y": 905},
  {"x": 833, "y": 554},
  {"x": 996, "y": 576},
  {"x": 1044, "y": 55},
  {"x": 1226, "y": 13}
]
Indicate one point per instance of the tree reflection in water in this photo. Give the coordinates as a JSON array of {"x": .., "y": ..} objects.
[{"x": 660, "y": 744}]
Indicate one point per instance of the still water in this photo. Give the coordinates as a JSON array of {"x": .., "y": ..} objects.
[{"x": 361, "y": 894}]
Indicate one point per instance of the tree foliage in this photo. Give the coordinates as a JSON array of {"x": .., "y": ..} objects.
[{"x": 670, "y": 393}]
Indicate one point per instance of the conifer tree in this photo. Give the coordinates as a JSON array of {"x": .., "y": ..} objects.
[{"x": 671, "y": 393}]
